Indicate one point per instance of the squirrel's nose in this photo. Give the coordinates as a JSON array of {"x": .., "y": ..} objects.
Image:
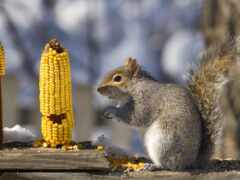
[{"x": 100, "y": 89}]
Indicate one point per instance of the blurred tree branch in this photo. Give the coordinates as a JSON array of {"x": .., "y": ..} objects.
[
  {"x": 27, "y": 59},
  {"x": 42, "y": 32}
]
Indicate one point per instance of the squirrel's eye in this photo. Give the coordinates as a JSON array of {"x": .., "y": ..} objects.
[{"x": 117, "y": 78}]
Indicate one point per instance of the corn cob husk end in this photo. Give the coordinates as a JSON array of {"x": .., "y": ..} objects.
[{"x": 54, "y": 44}]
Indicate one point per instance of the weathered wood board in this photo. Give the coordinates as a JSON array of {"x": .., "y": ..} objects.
[
  {"x": 40, "y": 159},
  {"x": 52, "y": 164},
  {"x": 163, "y": 175}
]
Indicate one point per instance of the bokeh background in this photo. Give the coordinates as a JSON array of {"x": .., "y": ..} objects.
[{"x": 166, "y": 37}]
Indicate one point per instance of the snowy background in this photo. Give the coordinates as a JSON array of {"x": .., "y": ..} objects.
[{"x": 162, "y": 34}]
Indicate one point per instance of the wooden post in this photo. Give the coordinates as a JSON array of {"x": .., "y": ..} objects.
[
  {"x": 1, "y": 113},
  {"x": 2, "y": 73}
]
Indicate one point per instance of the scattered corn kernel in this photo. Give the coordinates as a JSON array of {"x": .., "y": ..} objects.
[
  {"x": 100, "y": 148},
  {"x": 125, "y": 163}
]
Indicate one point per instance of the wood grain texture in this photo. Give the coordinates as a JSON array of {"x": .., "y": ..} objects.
[
  {"x": 52, "y": 160},
  {"x": 163, "y": 175},
  {"x": 52, "y": 164}
]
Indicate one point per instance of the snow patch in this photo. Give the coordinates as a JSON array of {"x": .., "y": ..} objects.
[{"x": 17, "y": 134}]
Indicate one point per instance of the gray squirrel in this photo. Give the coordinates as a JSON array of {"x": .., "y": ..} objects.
[{"x": 183, "y": 123}]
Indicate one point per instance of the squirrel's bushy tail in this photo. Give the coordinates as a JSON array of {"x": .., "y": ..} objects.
[{"x": 206, "y": 85}]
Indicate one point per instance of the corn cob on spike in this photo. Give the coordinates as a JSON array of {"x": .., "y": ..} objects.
[{"x": 55, "y": 96}]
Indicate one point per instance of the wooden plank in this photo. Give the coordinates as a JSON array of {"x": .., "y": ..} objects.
[
  {"x": 169, "y": 175},
  {"x": 163, "y": 175},
  {"x": 55, "y": 164},
  {"x": 56, "y": 176},
  {"x": 52, "y": 160}
]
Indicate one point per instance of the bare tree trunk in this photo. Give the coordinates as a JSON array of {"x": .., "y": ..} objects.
[{"x": 220, "y": 22}]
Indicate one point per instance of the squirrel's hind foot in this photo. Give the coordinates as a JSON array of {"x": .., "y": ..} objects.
[{"x": 150, "y": 167}]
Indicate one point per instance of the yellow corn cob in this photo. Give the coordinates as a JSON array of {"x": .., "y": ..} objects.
[
  {"x": 2, "y": 61},
  {"x": 56, "y": 95}
]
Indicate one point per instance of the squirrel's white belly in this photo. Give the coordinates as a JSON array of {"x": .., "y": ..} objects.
[
  {"x": 164, "y": 151},
  {"x": 154, "y": 141}
]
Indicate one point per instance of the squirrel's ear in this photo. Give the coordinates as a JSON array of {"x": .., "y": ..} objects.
[{"x": 132, "y": 66}]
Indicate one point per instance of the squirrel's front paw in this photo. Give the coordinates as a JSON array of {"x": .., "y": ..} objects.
[{"x": 110, "y": 113}]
